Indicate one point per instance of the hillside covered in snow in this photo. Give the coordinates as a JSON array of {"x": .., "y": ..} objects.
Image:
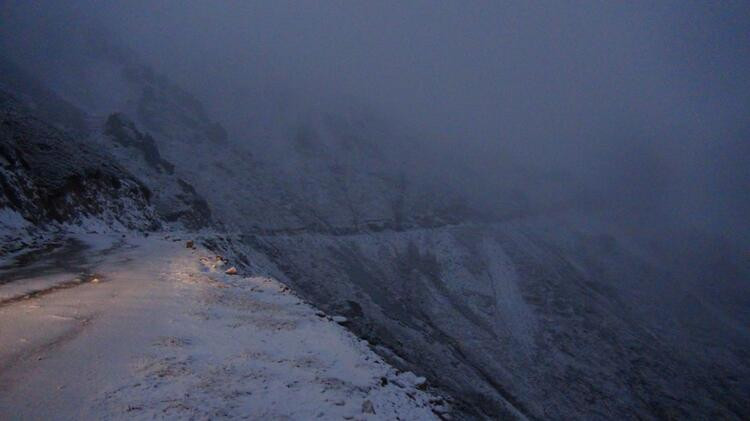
[{"x": 532, "y": 298}]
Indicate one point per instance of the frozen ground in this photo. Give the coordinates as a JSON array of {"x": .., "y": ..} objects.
[{"x": 147, "y": 328}]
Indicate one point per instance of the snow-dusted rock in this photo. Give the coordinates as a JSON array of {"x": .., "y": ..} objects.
[
  {"x": 340, "y": 319},
  {"x": 368, "y": 408}
]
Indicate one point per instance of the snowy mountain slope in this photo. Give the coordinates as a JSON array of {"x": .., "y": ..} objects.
[
  {"x": 529, "y": 304},
  {"x": 174, "y": 199},
  {"x": 545, "y": 316},
  {"x": 332, "y": 368},
  {"x": 320, "y": 170}
]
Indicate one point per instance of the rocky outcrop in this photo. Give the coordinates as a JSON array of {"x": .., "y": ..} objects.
[
  {"x": 124, "y": 133},
  {"x": 175, "y": 199},
  {"x": 48, "y": 176}
]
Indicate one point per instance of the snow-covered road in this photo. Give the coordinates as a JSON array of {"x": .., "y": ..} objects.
[{"x": 162, "y": 332}]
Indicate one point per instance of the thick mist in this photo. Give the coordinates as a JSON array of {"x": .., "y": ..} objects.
[
  {"x": 644, "y": 103},
  {"x": 539, "y": 207}
]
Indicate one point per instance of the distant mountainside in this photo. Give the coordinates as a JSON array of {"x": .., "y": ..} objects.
[{"x": 524, "y": 304}]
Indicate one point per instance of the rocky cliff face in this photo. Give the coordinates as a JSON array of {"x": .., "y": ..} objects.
[
  {"x": 121, "y": 143},
  {"x": 175, "y": 200},
  {"x": 47, "y": 176}
]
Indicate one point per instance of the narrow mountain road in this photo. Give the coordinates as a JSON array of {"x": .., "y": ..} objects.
[{"x": 157, "y": 330}]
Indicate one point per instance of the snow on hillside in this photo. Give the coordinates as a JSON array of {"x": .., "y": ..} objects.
[{"x": 532, "y": 305}]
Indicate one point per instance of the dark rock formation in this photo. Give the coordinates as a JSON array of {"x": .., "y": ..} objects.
[
  {"x": 126, "y": 134},
  {"x": 48, "y": 176}
]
